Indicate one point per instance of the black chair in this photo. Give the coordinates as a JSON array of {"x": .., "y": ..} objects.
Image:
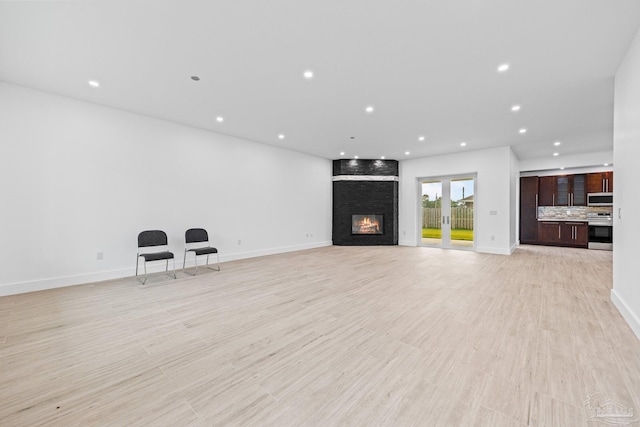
[
  {"x": 199, "y": 235},
  {"x": 154, "y": 238}
]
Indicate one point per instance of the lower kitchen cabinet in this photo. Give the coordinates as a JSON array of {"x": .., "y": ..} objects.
[
  {"x": 549, "y": 233},
  {"x": 576, "y": 234},
  {"x": 561, "y": 233}
]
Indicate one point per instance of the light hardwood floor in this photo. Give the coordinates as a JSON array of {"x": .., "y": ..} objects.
[{"x": 333, "y": 336}]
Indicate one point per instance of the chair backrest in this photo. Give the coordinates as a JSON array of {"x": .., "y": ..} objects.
[
  {"x": 195, "y": 235},
  {"x": 152, "y": 238}
]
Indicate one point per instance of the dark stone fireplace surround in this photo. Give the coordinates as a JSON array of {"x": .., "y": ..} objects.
[{"x": 365, "y": 187}]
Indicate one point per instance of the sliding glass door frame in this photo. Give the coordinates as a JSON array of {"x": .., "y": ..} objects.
[{"x": 446, "y": 210}]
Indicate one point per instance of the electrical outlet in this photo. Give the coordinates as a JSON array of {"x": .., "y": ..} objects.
[
  {"x": 493, "y": 237},
  {"x": 239, "y": 242},
  {"x": 99, "y": 255}
]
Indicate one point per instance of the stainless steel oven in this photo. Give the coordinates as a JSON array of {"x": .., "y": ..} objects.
[{"x": 600, "y": 230}]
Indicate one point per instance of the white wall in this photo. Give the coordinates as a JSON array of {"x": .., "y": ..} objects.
[
  {"x": 592, "y": 161},
  {"x": 495, "y": 187},
  {"x": 626, "y": 152},
  {"x": 78, "y": 178}
]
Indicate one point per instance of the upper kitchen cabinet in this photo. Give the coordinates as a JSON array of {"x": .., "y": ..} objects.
[
  {"x": 547, "y": 191},
  {"x": 571, "y": 191},
  {"x": 565, "y": 190},
  {"x": 600, "y": 182}
]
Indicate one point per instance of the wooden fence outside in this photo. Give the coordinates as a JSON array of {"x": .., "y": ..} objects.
[{"x": 461, "y": 218}]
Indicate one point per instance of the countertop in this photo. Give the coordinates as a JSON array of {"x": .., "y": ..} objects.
[{"x": 561, "y": 220}]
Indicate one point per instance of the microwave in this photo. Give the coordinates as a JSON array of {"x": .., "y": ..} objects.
[{"x": 599, "y": 199}]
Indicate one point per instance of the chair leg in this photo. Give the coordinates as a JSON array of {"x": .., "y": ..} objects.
[
  {"x": 145, "y": 273},
  {"x": 184, "y": 263},
  {"x": 174, "y": 267},
  {"x": 142, "y": 282},
  {"x": 218, "y": 262}
]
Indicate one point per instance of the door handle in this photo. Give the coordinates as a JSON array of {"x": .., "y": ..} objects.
[
  {"x": 536, "y": 206},
  {"x": 447, "y": 219},
  {"x": 443, "y": 219}
]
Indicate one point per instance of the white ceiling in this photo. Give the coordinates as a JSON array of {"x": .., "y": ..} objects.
[{"x": 428, "y": 67}]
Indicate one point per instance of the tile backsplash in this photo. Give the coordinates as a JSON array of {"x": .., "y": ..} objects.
[{"x": 575, "y": 213}]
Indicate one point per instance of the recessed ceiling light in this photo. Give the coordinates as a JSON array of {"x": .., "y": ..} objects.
[
  {"x": 556, "y": 143},
  {"x": 515, "y": 108},
  {"x": 308, "y": 74},
  {"x": 406, "y": 153},
  {"x": 382, "y": 157},
  {"x": 94, "y": 83},
  {"x": 556, "y": 154},
  {"x": 562, "y": 168},
  {"x": 369, "y": 109},
  {"x": 195, "y": 78},
  {"x": 342, "y": 153},
  {"x": 463, "y": 144},
  {"x": 220, "y": 119},
  {"x": 523, "y": 130},
  {"x": 606, "y": 164},
  {"x": 421, "y": 138},
  {"x": 503, "y": 67},
  {"x": 355, "y": 157},
  {"x": 281, "y": 136}
]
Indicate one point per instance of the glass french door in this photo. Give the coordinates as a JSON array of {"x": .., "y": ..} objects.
[{"x": 448, "y": 219}]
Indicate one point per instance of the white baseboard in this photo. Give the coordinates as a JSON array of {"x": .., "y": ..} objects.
[
  {"x": 495, "y": 251},
  {"x": 60, "y": 282},
  {"x": 407, "y": 243},
  {"x": 632, "y": 318},
  {"x": 480, "y": 249},
  {"x": 272, "y": 251},
  {"x": 156, "y": 267}
]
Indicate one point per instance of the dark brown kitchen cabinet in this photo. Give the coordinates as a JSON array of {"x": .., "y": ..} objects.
[
  {"x": 574, "y": 234},
  {"x": 600, "y": 182},
  {"x": 564, "y": 190},
  {"x": 547, "y": 191},
  {"x": 561, "y": 233},
  {"x": 579, "y": 190},
  {"x": 529, "y": 209},
  {"x": 549, "y": 233},
  {"x": 570, "y": 190}
]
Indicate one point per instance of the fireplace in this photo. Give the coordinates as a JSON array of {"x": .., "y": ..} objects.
[
  {"x": 365, "y": 202},
  {"x": 367, "y": 224}
]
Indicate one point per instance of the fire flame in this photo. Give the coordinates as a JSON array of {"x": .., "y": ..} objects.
[{"x": 368, "y": 226}]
